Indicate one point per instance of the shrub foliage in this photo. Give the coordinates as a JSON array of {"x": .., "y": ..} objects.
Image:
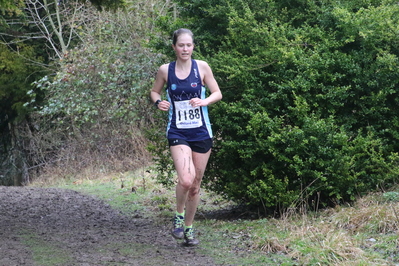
[
  {"x": 310, "y": 93},
  {"x": 96, "y": 108}
]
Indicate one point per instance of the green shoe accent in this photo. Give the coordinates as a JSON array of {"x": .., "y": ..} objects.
[
  {"x": 178, "y": 227},
  {"x": 189, "y": 237},
  {"x": 188, "y": 227},
  {"x": 179, "y": 214}
]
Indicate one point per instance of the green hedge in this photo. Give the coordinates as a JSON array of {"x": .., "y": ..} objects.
[{"x": 310, "y": 90}]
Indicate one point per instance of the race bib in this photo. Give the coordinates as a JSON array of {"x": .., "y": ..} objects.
[{"x": 187, "y": 116}]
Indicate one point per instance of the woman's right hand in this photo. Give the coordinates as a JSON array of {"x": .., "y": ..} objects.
[{"x": 164, "y": 105}]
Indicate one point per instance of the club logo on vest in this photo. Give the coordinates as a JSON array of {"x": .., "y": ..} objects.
[
  {"x": 173, "y": 87},
  {"x": 194, "y": 85}
]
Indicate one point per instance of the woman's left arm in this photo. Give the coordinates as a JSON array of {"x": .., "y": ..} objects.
[{"x": 210, "y": 81}]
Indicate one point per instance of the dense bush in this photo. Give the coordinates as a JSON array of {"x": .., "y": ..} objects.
[
  {"x": 310, "y": 94},
  {"x": 96, "y": 108}
]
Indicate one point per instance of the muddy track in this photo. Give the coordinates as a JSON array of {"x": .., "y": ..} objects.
[{"x": 75, "y": 229}]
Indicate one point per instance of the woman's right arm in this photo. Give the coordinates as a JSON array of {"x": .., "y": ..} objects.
[{"x": 160, "y": 81}]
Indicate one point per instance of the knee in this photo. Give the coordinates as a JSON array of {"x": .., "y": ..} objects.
[
  {"x": 195, "y": 187},
  {"x": 194, "y": 190},
  {"x": 186, "y": 183}
]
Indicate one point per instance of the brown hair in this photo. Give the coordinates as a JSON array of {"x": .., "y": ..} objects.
[{"x": 179, "y": 32}]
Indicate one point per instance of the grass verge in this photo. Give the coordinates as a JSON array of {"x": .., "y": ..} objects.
[
  {"x": 363, "y": 234},
  {"x": 45, "y": 253}
]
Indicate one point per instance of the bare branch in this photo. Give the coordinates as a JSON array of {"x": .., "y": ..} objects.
[{"x": 55, "y": 21}]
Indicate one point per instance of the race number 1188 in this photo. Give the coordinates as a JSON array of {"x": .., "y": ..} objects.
[{"x": 187, "y": 116}]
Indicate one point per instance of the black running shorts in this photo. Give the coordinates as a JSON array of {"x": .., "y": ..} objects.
[{"x": 202, "y": 146}]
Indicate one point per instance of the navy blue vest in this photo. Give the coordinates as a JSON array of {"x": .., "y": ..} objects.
[{"x": 186, "y": 122}]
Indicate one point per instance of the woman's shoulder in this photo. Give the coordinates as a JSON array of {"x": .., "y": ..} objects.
[
  {"x": 163, "y": 68},
  {"x": 162, "y": 73},
  {"x": 203, "y": 66},
  {"x": 201, "y": 62}
]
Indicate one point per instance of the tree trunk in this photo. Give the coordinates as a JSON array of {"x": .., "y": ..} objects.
[{"x": 16, "y": 157}]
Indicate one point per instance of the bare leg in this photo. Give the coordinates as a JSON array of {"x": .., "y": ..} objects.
[
  {"x": 190, "y": 167},
  {"x": 183, "y": 161},
  {"x": 200, "y": 161}
]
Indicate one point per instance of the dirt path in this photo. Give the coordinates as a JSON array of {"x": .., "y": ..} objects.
[{"x": 64, "y": 227}]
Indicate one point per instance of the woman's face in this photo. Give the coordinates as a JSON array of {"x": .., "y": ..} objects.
[{"x": 184, "y": 46}]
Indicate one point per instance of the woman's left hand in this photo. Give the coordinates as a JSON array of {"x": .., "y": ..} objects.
[{"x": 195, "y": 102}]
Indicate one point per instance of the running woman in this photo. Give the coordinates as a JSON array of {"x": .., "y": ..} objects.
[{"x": 189, "y": 130}]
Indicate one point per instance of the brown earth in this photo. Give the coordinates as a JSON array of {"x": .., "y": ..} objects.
[{"x": 71, "y": 228}]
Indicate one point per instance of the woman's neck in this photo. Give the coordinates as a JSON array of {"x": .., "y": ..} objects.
[
  {"x": 183, "y": 64},
  {"x": 183, "y": 68}
]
